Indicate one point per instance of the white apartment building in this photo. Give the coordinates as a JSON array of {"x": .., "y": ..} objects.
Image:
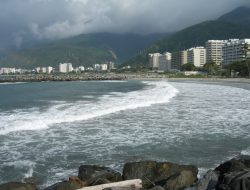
[
  {"x": 233, "y": 50},
  {"x": 214, "y": 51},
  {"x": 196, "y": 56},
  {"x": 7, "y": 70},
  {"x": 154, "y": 60},
  {"x": 104, "y": 67},
  {"x": 165, "y": 62},
  {"x": 49, "y": 70},
  {"x": 65, "y": 67}
]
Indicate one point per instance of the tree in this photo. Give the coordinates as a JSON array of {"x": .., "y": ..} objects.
[
  {"x": 211, "y": 68},
  {"x": 188, "y": 67},
  {"x": 238, "y": 67}
]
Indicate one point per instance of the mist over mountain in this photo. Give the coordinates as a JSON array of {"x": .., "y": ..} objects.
[
  {"x": 89, "y": 49},
  {"x": 86, "y": 50}
]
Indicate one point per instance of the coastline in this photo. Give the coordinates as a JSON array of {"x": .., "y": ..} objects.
[{"x": 113, "y": 76}]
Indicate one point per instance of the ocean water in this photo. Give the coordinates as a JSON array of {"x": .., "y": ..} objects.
[{"x": 47, "y": 130}]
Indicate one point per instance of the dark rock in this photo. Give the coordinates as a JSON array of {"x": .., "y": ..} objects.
[
  {"x": 234, "y": 165},
  {"x": 156, "y": 188},
  {"x": 144, "y": 170},
  {"x": 96, "y": 175},
  {"x": 180, "y": 180},
  {"x": 236, "y": 181},
  {"x": 208, "y": 182},
  {"x": 167, "y": 175},
  {"x": 17, "y": 186},
  {"x": 121, "y": 188},
  {"x": 65, "y": 185}
]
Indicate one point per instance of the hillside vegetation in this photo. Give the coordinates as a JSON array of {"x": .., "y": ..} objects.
[{"x": 226, "y": 27}]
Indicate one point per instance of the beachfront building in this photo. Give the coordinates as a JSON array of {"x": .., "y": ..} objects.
[
  {"x": 214, "y": 51},
  {"x": 111, "y": 65},
  {"x": 165, "y": 62},
  {"x": 49, "y": 70},
  {"x": 65, "y": 67},
  {"x": 233, "y": 50},
  {"x": 154, "y": 60},
  {"x": 196, "y": 56},
  {"x": 178, "y": 59},
  {"x": 97, "y": 67},
  {"x": 104, "y": 67},
  {"x": 7, "y": 71}
]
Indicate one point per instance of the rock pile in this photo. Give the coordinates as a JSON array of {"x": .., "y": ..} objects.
[{"x": 231, "y": 175}]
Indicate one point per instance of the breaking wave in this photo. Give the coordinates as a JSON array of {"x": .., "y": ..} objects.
[{"x": 35, "y": 119}]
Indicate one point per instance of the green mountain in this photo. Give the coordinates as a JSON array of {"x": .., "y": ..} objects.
[
  {"x": 86, "y": 50},
  {"x": 239, "y": 16},
  {"x": 226, "y": 27}
]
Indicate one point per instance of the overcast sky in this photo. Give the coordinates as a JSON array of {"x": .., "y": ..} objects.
[{"x": 50, "y": 19}]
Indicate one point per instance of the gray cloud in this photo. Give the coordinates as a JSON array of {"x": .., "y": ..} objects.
[{"x": 50, "y": 19}]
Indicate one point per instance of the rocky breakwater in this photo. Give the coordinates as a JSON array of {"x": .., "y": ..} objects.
[
  {"x": 154, "y": 175},
  {"x": 231, "y": 175}
]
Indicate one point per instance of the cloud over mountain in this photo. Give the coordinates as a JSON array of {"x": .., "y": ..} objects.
[{"x": 51, "y": 19}]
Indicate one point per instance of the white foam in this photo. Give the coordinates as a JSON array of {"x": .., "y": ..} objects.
[
  {"x": 245, "y": 152},
  {"x": 24, "y": 164},
  {"x": 156, "y": 92},
  {"x": 5, "y": 83}
]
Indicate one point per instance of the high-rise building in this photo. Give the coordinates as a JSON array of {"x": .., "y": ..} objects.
[
  {"x": 65, "y": 67},
  {"x": 165, "y": 62},
  {"x": 49, "y": 70},
  {"x": 233, "y": 50},
  {"x": 196, "y": 56},
  {"x": 178, "y": 59},
  {"x": 214, "y": 51},
  {"x": 154, "y": 60}
]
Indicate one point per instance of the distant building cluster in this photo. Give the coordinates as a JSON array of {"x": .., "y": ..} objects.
[
  {"x": 13, "y": 71},
  {"x": 221, "y": 52},
  {"x": 62, "y": 68}
]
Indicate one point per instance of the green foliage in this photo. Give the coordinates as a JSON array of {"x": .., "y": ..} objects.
[
  {"x": 238, "y": 69},
  {"x": 211, "y": 68},
  {"x": 188, "y": 67}
]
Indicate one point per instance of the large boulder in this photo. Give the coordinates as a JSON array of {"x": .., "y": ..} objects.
[
  {"x": 165, "y": 174},
  {"x": 96, "y": 175},
  {"x": 240, "y": 163},
  {"x": 72, "y": 184},
  {"x": 229, "y": 169},
  {"x": 236, "y": 181},
  {"x": 208, "y": 182},
  {"x": 17, "y": 186}
]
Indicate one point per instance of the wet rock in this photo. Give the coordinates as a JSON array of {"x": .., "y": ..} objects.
[
  {"x": 72, "y": 184},
  {"x": 121, "y": 188},
  {"x": 17, "y": 186},
  {"x": 234, "y": 165},
  {"x": 144, "y": 170},
  {"x": 96, "y": 175},
  {"x": 180, "y": 180},
  {"x": 157, "y": 187},
  {"x": 236, "y": 181},
  {"x": 165, "y": 174},
  {"x": 208, "y": 182}
]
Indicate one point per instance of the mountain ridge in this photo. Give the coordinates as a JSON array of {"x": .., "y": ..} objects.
[
  {"x": 129, "y": 49},
  {"x": 225, "y": 27}
]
